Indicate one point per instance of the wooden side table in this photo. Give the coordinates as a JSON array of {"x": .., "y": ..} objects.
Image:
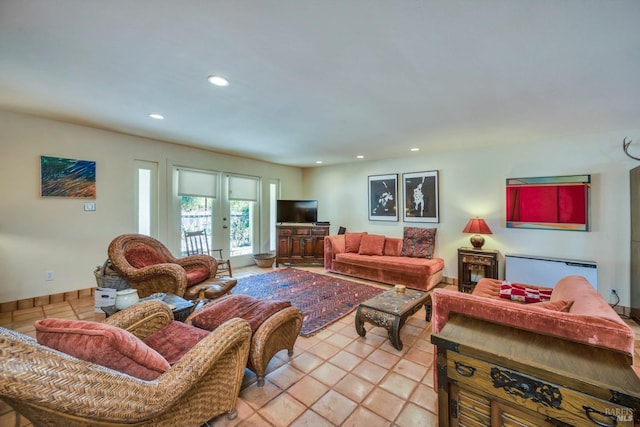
[{"x": 475, "y": 264}]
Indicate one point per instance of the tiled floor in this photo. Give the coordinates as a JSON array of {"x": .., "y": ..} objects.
[{"x": 335, "y": 378}]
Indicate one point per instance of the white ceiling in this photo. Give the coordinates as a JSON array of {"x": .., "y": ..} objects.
[{"x": 326, "y": 80}]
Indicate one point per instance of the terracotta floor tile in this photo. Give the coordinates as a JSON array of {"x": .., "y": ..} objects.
[
  {"x": 328, "y": 374},
  {"x": 311, "y": 419},
  {"x": 339, "y": 340},
  {"x": 419, "y": 356},
  {"x": 257, "y": 397},
  {"x": 364, "y": 417},
  {"x": 255, "y": 421},
  {"x": 285, "y": 376},
  {"x": 370, "y": 371},
  {"x": 282, "y": 410},
  {"x": 384, "y": 404},
  {"x": 324, "y": 350},
  {"x": 399, "y": 385},
  {"x": 414, "y": 416},
  {"x": 425, "y": 397},
  {"x": 306, "y": 362},
  {"x": 324, "y": 334},
  {"x": 355, "y": 388},
  {"x": 383, "y": 358},
  {"x": 308, "y": 390},
  {"x": 334, "y": 406},
  {"x": 346, "y": 360},
  {"x": 411, "y": 369},
  {"x": 373, "y": 339},
  {"x": 360, "y": 348}
]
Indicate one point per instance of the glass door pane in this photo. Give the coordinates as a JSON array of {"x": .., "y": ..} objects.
[{"x": 196, "y": 213}]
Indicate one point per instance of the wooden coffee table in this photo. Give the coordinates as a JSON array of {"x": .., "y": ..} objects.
[{"x": 390, "y": 310}]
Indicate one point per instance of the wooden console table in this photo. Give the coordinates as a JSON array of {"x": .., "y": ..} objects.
[
  {"x": 300, "y": 244},
  {"x": 497, "y": 375},
  {"x": 474, "y": 264}
]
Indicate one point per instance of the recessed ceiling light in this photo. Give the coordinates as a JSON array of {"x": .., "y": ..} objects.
[
  {"x": 156, "y": 116},
  {"x": 319, "y": 162},
  {"x": 415, "y": 149},
  {"x": 218, "y": 81},
  {"x": 359, "y": 156}
]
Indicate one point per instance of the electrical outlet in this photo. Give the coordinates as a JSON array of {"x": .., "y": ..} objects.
[
  {"x": 614, "y": 296},
  {"x": 48, "y": 276}
]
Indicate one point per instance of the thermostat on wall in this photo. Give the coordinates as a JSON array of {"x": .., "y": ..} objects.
[{"x": 90, "y": 206}]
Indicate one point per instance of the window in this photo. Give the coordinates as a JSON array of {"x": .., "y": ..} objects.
[
  {"x": 147, "y": 197},
  {"x": 243, "y": 213},
  {"x": 197, "y": 191}
]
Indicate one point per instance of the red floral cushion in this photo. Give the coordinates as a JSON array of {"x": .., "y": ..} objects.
[
  {"x": 371, "y": 244},
  {"x": 175, "y": 340},
  {"x": 518, "y": 292},
  {"x": 143, "y": 256},
  {"x": 197, "y": 275},
  {"x": 352, "y": 241},
  {"x": 103, "y": 345},
  {"x": 419, "y": 242},
  {"x": 252, "y": 310}
]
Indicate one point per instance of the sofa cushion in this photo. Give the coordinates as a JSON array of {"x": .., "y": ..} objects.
[
  {"x": 197, "y": 275},
  {"x": 420, "y": 266},
  {"x": 175, "y": 340},
  {"x": 371, "y": 244},
  {"x": 352, "y": 241},
  {"x": 143, "y": 256},
  {"x": 103, "y": 345},
  {"x": 392, "y": 246},
  {"x": 419, "y": 242},
  {"x": 252, "y": 310}
]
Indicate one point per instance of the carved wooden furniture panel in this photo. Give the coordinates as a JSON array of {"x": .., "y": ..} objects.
[
  {"x": 493, "y": 375},
  {"x": 301, "y": 244},
  {"x": 474, "y": 264},
  {"x": 390, "y": 310}
]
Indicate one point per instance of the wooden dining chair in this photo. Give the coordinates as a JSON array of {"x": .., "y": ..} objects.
[{"x": 198, "y": 243}]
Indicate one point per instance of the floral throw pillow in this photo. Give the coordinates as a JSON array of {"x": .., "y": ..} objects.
[{"x": 419, "y": 242}]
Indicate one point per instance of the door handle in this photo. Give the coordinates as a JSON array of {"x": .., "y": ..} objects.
[{"x": 224, "y": 226}]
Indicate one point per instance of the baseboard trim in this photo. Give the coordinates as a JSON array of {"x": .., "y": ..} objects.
[{"x": 22, "y": 304}]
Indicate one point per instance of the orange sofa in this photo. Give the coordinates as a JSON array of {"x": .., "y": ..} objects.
[
  {"x": 379, "y": 258},
  {"x": 587, "y": 318}
]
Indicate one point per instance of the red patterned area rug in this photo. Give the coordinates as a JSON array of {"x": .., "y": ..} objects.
[{"x": 323, "y": 299}]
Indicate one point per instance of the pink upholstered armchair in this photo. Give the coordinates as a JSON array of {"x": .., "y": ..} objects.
[{"x": 149, "y": 267}]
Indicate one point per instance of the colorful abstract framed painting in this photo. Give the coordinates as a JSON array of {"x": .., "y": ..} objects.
[
  {"x": 60, "y": 177},
  {"x": 383, "y": 200},
  {"x": 421, "y": 197},
  {"x": 554, "y": 202}
]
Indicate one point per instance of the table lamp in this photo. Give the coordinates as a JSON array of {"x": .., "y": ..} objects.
[{"x": 477, "y": 226}]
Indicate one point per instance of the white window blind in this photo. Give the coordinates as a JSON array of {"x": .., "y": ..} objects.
[
  {"x": 243, "y": 188},
  {"x": 195, "y": 183}
]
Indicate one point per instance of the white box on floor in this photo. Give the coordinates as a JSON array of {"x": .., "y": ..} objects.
[{"x": 104, "y": 297}]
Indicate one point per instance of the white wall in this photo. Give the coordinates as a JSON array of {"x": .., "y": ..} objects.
[
  {"x": 472, "y": 183},
  {"x": 54, "y": 234}
]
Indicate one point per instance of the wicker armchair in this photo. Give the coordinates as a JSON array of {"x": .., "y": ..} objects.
[
  {"x": 278, "y": 332},
  {"x": 52, "y": 388},
  {"x": 168, "y": 274}
]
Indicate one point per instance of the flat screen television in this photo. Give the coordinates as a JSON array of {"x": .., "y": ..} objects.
[
  {"x": 297, "y": 211},
  {"x": 556, "y": 202}
]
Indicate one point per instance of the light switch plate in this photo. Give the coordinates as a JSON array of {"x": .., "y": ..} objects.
[{"x": 90, "y": 206}]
